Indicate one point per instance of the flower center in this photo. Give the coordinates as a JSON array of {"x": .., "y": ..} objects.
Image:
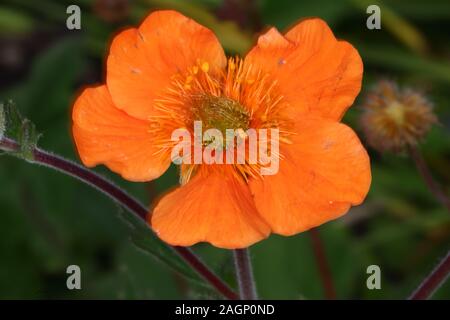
[
  {"x": 396, "y": 111},
  {"x": 220, "y": 113}
]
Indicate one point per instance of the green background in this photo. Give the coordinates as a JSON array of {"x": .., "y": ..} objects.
[{"x": 49, "y": 221}]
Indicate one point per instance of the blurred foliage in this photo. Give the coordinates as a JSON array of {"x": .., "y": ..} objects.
[{"x": 49, "y": 221}]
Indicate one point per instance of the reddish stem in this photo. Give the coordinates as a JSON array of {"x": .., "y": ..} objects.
[
  {"x": 431, "y": 283},
  {"x": 423, "y": 169},
  {"x": 244, "y": 275},
  {"x": 114, "y": 192},
  {"x": 324, "y": 269}
]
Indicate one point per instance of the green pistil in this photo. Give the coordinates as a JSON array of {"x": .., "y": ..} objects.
[{"x": 221, "y": 113}]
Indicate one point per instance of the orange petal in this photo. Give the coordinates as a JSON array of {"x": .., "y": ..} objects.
[
  {"x": 142, "y": 61},
  {"x": 214, "y": 207},
  {"x": 107, "y": 135},
  {"x": 324, "y": 172},
  {"x": 314, "y": 72}
]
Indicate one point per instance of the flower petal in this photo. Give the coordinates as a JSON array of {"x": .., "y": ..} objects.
[
  {"x": 314, "y": 72},
  {"x": 142, "y": 61},
  {"x": 107, "y": 135},
  {"x": 324, "y": 172},
  {"x": 214, "y": 206}
]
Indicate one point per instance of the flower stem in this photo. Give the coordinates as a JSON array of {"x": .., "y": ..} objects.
[
  {"x": 244, "y": 275},
  {"x": 432, "y": 184},
  {"x": 120, "y": 196},
  {"x": 431, "y": 283},
  {"x": 322, "y": 263}
]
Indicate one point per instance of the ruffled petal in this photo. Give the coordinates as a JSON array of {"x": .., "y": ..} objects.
[
  {"x": 106, "y": 135},
  {"x": 142, "y": 62},
  {"x": 215, "y": 206},
  {"x": 324, "y": 172},
  {"x": 315, "y": 72}
]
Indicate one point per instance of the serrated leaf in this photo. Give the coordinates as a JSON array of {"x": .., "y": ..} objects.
[
  {"x": 12, "y": 120},
  {"x": 28, "y": 139},
  {"x": 19, "y": 129},
  {"x": 145, "y": 240}
]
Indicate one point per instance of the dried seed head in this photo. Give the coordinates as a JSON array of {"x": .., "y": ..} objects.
[{"x": 395, "y": 118}]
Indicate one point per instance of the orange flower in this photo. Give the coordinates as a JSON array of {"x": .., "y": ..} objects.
[{"x": 172, "y": 71}]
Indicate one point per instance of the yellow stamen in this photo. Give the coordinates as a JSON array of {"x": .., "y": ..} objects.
[{"x": 205, "y": 67}]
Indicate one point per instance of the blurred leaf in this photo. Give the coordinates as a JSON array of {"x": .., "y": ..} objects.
[
  {"x": 231, "y": 37},
  {"x": 46, "y": 94},
  {"x": 147, "y": 241},
  {"x": 285, "y": 268},
  {"x": 21, "y": 130},
  {"x": 402, "y": 29},
  {"x": 14, "y": 21},
  {"x": 50, "y": 9},
  {"x": 284, "y": 13},
  {"x": 396, "y": 59},
  {"x": 434, "y": 10},
  {"x": 48, "y": 86}
]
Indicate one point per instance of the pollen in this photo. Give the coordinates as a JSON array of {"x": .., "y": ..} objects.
[{"x": 205, "y": 67}]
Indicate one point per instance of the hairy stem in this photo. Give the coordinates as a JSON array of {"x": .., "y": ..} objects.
[
  {"x": 244, "y": 275},
  {"x": 425, "y": 172},
  {"x": 120, "y": 196},
  {"x": 322, "y": 263},
  {"x": 435, "y": 279}
]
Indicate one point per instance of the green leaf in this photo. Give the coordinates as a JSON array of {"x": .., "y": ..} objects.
[
  {"x": 47, "y": 89},
  {"x": 144, "y": 239},
  {"x": 11, "y": 119},
  {"x": 398, "y": 26},
  {"x": 15, "y": 21},
  {"x": 284, "y": 13},
  {"x": 397, "y": 59},
  {"x": 422, "y": 10},
  {"x": 28, "y": 138},
  {"x": 19, "y": 129},
  {"x": 293, "y": 268}
]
